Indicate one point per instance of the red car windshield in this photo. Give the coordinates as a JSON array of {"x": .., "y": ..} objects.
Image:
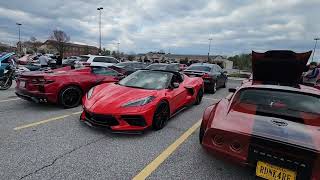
[
  {"x": 153, "y": 80},
  {"x": 277, "y": 103}
]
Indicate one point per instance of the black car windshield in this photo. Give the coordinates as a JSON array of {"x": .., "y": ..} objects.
[
  {"x": 279, "y": 102},
  {"x": 153, "y": 80},
  {"x": 199, "y": 68}
]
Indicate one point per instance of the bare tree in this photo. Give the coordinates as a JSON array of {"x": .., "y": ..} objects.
[
  {"x": 35, "y": 43},
  {"x": 61, "y": 39}
]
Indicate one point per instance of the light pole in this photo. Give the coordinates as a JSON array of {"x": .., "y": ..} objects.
[
  {"x": 20, "y": 48},
  {"x": 210, "y": 39},
  {"x": 99, "y": 9},
  {"x": 118, "y": 49},
  {"x": 315, "y": 46}
]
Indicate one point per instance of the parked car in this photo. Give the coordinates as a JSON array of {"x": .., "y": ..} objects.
[
  {"x": 213, "y": 76},
  {"x": 146, "y": 98},
  {"x": 270, "y": 123},
  {"x": 93, "y": 60},
  {"x": 64, "y": 86},
  {"x": 130, "y": 67},
  {"x": 164, "y": 66}
]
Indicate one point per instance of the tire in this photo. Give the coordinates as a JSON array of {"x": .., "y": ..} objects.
[
  {"x": 7, "y": 86},
  {"x": 199, "y": 97},
  {"x": 201, "y": 134},
  {"x": 70, "y": 97},
  {"x": 213, "y": 88},
  {"x": 224, "y": 84},
  {"x": 161, "y": 116}
]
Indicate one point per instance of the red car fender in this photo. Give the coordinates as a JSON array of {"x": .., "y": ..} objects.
[{"x": 209, "y": 112}]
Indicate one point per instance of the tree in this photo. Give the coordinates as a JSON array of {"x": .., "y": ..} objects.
[
  {"x": 145, "y": 59},
  {"x": 35, "y": 44},
  {"x": 242, "y": 61},
  {"x": 131, "y": 57},
  {"x": 114, "y": 54},
  {"x": 106, "y": 52},
  {"x": 140, "y": 59},
  {"x": 60, "y": 39}
]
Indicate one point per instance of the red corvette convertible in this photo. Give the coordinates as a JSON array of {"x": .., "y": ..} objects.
[
  {"x": 270, "y": 123},
  {"x": 146, "y": 98},
  {"x": 64, "y": 86}
]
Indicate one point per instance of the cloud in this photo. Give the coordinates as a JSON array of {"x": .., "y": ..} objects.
[{"x": 183, "y": 26}]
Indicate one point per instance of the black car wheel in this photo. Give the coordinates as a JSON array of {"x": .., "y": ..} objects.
[
  {"x": 213, "y": 88},
  {"x": 70, "y": 97},
  {"x": 199, "y": 97},
  {"x": 161, "y": 116},
  {"x": 201, "y": 134},
  {"x": 224, "y": 84}
]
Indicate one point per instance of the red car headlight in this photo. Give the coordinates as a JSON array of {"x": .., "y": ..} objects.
[
  {"x": 139, "y": 102},
  {"x": 90, "y": 92}
]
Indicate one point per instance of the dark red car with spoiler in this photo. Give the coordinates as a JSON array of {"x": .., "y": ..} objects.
[
  {"x": 64, "y": 86},
  {"x": 271, "y": 123}
]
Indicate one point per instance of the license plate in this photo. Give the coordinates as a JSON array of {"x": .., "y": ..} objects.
[
  {"x": 272, "y": 172},
  {"x": 22, "y": 84},
  {"x": 192, "y": 75}
]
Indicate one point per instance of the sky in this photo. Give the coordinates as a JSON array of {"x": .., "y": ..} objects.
[{"x": 176, "y": 26}]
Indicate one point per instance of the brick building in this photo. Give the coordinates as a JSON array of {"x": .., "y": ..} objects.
[{"x": 71, "y": 50}]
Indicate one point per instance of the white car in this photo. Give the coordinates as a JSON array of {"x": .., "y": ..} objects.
[{"x": 93, "y": 60}]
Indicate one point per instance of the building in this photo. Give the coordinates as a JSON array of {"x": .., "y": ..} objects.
[
  {"x": 71, "y": 49},
  {"x": 7, "y": 48},
  {"x": 156, "y": 57}
]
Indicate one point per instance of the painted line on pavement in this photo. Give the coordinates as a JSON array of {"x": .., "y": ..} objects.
[
  {"x": 7, "y": 100},
  {"x": 45, "y": 121},
  {"x": 211, "y": 99},
  {"x": 151, "y": 167}
]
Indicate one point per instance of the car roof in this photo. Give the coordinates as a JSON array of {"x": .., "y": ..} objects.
[{"x": 299, "y": 88}]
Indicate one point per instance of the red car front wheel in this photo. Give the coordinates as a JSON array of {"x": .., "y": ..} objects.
[{"x": 161, "y": 116}]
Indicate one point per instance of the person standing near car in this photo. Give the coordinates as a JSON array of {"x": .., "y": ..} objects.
[
  {"x": 43, "y": 60},
  {"x": 312, "y": 75}
]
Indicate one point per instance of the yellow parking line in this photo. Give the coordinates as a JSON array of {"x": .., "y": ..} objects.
[
  {"x": 166, "y": 153},
  {"x": 7, "y": 100},
  {"x": 45, "y": 121}
]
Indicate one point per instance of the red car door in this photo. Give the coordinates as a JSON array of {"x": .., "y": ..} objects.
[{"x": 177, "y": 94}]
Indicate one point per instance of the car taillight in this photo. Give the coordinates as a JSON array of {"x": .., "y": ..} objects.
[
  {"x": 235, "y": 146},
  {"x": 218, "y": 140},
  {"x": 41, "y": 81},
  {"x": 206, "y": 76}
]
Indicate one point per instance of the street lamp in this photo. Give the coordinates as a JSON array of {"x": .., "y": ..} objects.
[
  {"x": 99, "y": 9},
  {"x": 315, "y": 46},
  {"x": 20, "y": 48},
  {"x": 210, "y": 39},
  {"x": 118, "y": 47}
]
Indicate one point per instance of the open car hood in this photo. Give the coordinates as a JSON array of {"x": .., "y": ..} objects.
[{"x": 279, "y": 66}]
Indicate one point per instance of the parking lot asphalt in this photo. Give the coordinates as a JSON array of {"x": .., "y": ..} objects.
[{"x": 40, "y": 141}]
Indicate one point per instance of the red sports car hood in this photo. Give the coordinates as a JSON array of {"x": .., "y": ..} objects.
[
  {"x": 279, "y": 66},
  {"x": 110, "y": 97},
  {"x": 271, "y": 128}
]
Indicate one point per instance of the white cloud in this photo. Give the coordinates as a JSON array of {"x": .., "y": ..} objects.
[{"x": 184, "y": 26}]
